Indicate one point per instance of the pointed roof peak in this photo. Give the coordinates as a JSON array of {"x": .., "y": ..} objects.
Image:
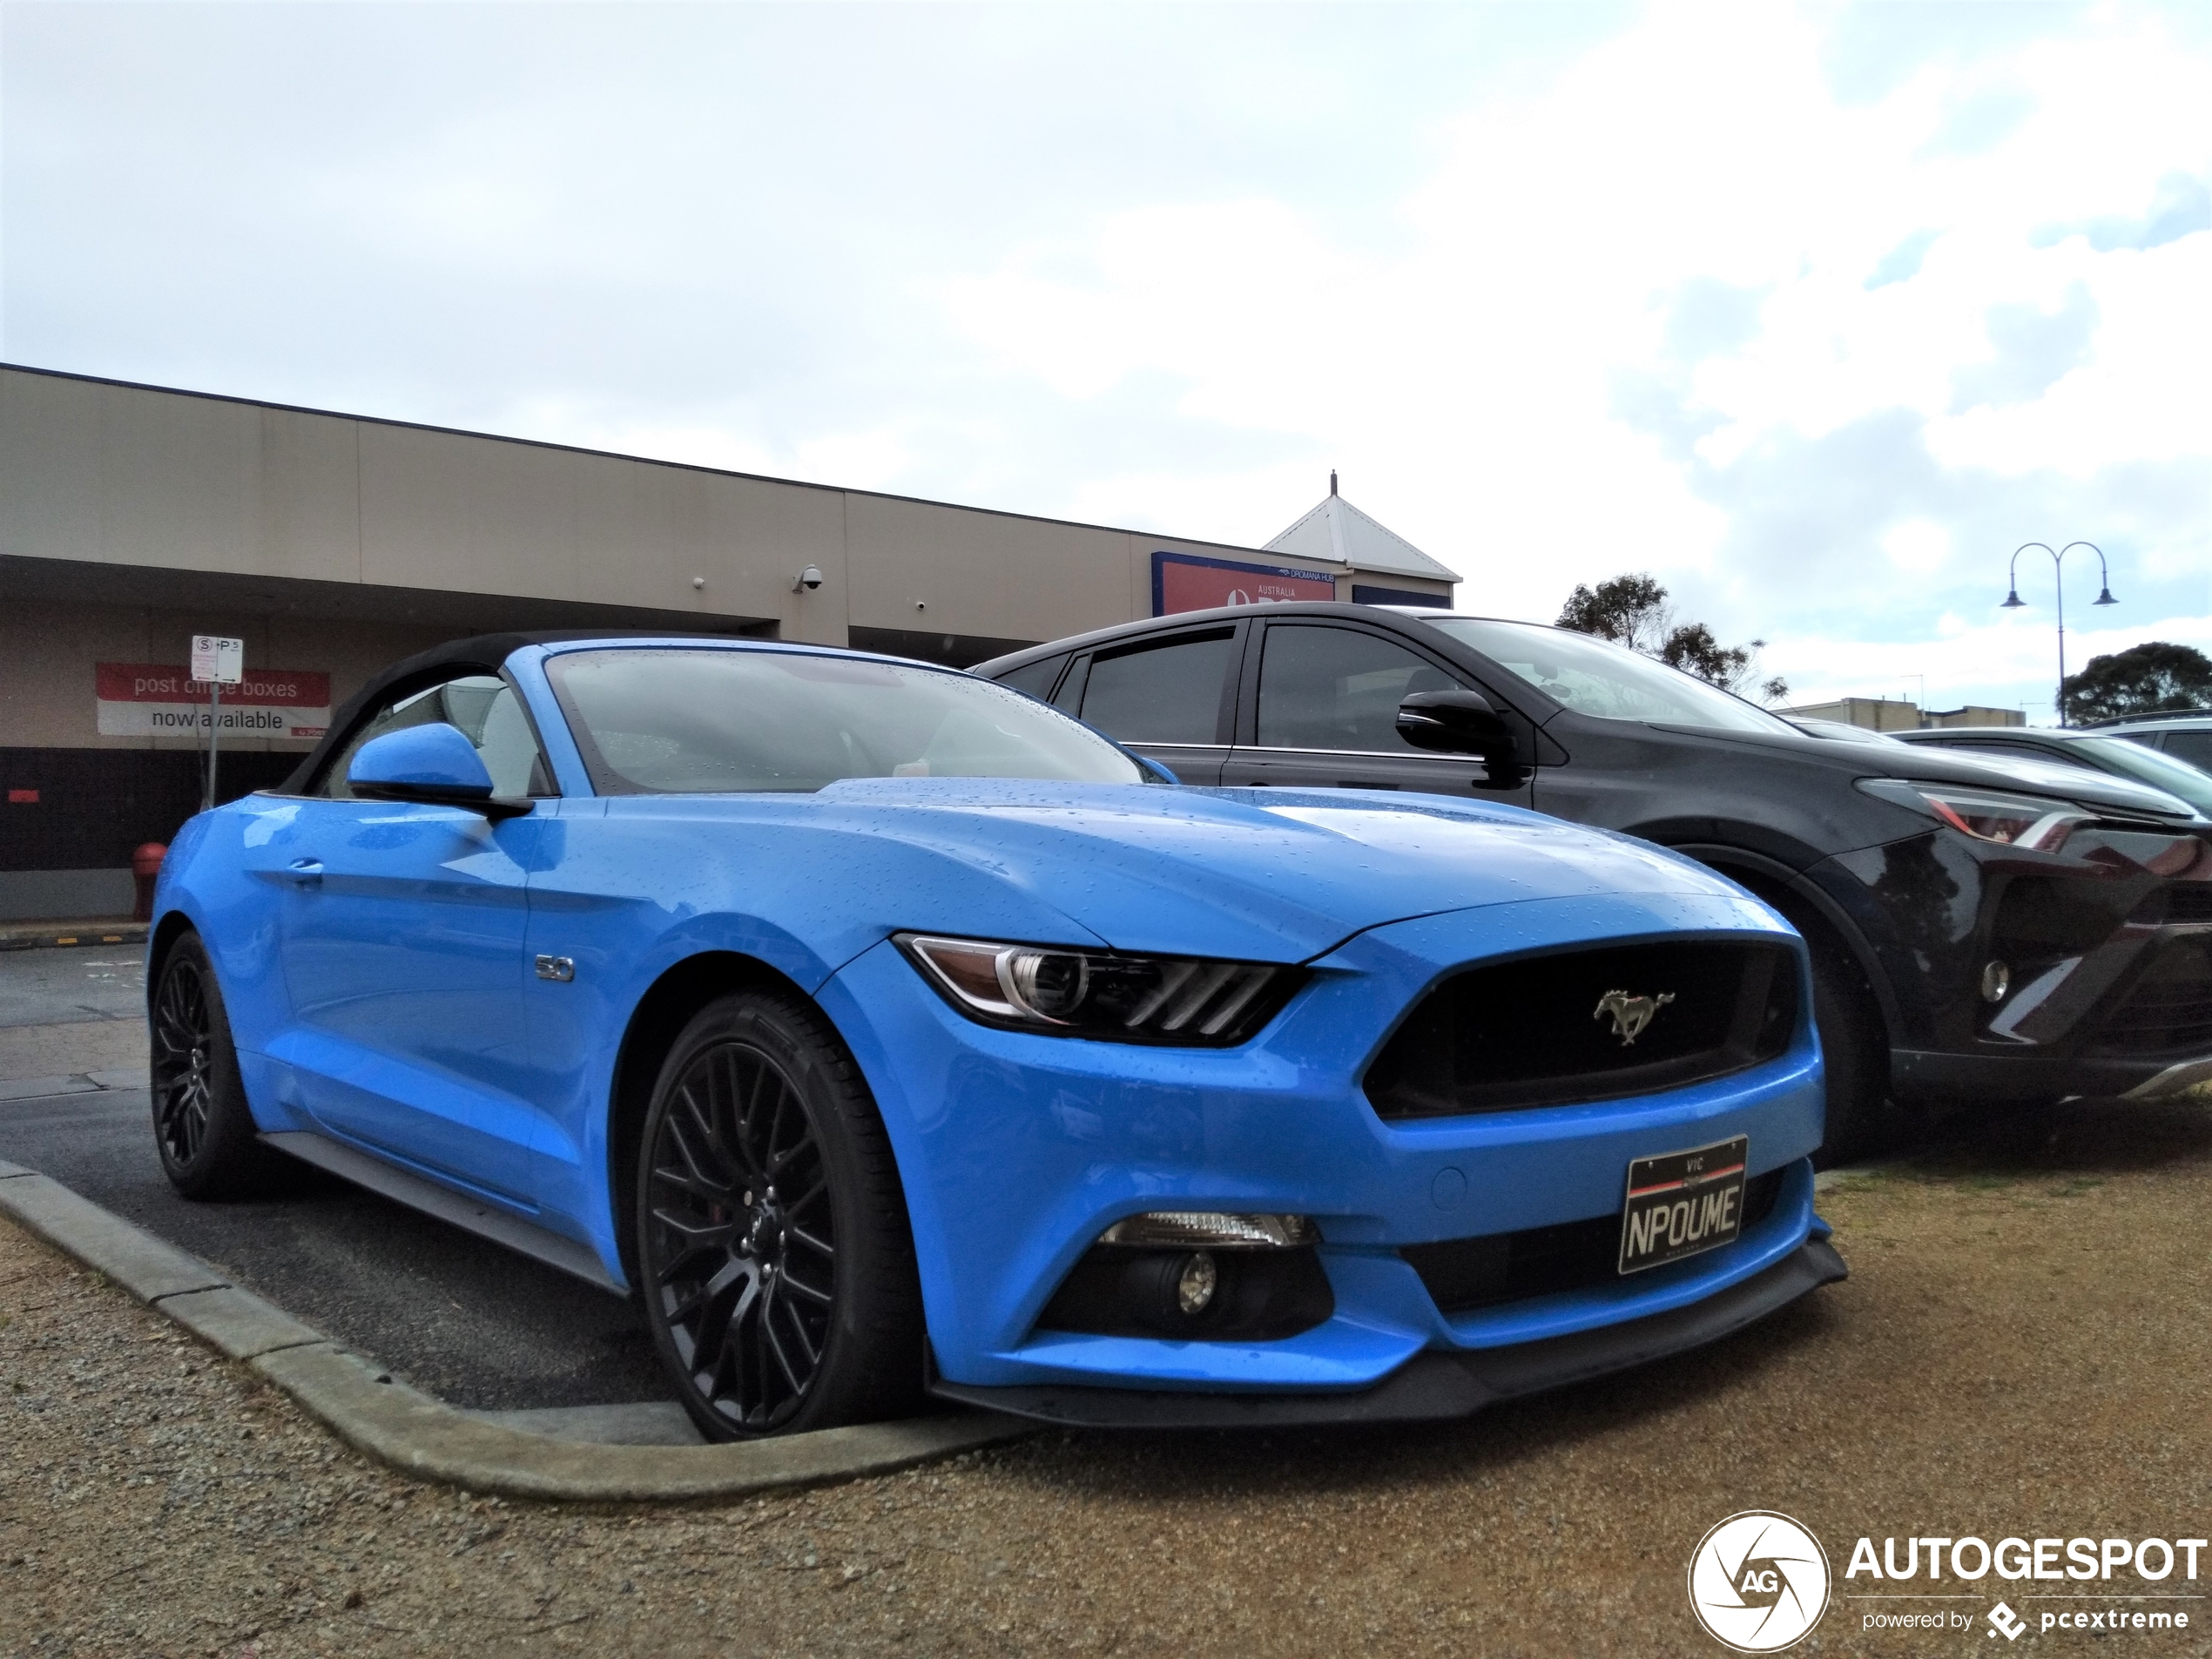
[{"x": 1339, "y": 532}]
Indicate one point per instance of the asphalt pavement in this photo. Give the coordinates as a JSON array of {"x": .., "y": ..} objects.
[{"x": 478, "y": 1326}]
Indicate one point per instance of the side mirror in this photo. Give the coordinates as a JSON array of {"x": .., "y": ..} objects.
[
  {"x": 1158, "y": 772},
  {"x": 1458, "y": 722},
  {"x": 431, "y": 765},
  {"x": 1463, "y": 722}
]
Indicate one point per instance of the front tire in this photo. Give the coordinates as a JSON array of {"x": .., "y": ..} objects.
[
  {"x": 202, "y": 1126},
  {"x": 775, "y": 1256},
  {"x": 1856, "y": 1059}
]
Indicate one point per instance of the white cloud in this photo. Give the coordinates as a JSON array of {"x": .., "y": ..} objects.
[
  {"x": 1470, "y": 367},
  {"x": 1561, "y": 292},
  {"x": 1917, "y": 545},
  {"x": 1964, "y": 661}
]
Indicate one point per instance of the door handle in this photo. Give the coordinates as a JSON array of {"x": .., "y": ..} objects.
[{"x": 306, "y": 872}]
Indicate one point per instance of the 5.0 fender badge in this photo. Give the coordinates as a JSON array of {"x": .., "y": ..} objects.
[{"x": 1630, "y": 1013}]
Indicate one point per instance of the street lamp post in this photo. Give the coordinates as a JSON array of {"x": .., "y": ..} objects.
[{"x": 2013, "y": 602}]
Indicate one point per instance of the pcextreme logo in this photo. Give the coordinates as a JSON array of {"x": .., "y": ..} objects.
[{"x": 1758, "y": 1581}]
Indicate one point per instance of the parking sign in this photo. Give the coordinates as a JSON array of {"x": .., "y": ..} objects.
[{"x": 217, "y": 661}]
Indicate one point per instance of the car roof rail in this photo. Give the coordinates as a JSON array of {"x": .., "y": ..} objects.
[{"x": 2155, "y": 714}]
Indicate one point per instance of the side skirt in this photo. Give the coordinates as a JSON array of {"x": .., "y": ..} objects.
[{"x": 456, "y": 1209}]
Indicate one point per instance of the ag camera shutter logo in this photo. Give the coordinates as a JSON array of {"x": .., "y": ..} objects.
[{"x": 1758, "y": 1581}]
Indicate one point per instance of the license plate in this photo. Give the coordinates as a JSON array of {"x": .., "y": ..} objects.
[{"x": 1682, "y": 1203}]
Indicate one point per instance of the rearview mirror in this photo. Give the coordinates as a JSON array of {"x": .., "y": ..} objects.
[
  {"x": 1463, "y": 722},
  {"x": 430, "y": 765}
]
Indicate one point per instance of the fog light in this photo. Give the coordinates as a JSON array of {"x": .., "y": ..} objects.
[
  {"x": 1996, "y": 980},
  {"x": 1194, "y": 1285}
]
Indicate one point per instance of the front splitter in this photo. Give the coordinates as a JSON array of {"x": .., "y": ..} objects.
[{"x": 1434, "y": 1384}]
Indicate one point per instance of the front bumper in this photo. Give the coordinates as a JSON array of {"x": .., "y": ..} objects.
[
  {"x": 1918, "y": 1076},
  {"x": 1017, "y": 1150},
  {"x": 1437, "y": 1385},
  {"x": 2106, "y": 944}
]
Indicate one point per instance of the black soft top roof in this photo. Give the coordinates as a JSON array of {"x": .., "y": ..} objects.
[{"x": 483, "y": 652}]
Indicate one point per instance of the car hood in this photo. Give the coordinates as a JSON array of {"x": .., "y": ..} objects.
[
  {"x": 2091, "y": 788},
  {"x": 1926, "y": 763},
  {"x": 1268, "y": 874}
]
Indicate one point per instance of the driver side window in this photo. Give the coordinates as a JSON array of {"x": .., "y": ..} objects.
[
  {"x": 488, "y": 712},
  {"x": 1337, "y": 689}
]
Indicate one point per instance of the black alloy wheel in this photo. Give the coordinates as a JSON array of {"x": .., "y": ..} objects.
[
  {"x": 184, "y": 1057},
  {"x": 202, "y": 1125},
  {"x": 774, "y": 1258}
]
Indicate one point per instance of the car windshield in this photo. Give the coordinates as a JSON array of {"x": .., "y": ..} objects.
[
  {"x": 677, "y": 721},
  {"x": 1592, "y": 676},
  {"x": 2132, "y": 760}
]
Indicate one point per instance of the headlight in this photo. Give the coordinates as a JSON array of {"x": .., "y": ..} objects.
[
  {"x": 2010, "y": 820},
  {"x": 1061, "y": 992}
]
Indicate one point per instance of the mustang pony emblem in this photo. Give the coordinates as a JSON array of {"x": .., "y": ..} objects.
[{"x": 1630, "y": 1013}]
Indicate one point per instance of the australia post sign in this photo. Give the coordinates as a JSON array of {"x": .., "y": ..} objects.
[
  {"x": 1184, "y": 581},
  {"x": 163, "y": 700}
]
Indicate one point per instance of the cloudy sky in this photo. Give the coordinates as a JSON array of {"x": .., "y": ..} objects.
[{"x": 1814, "y": 312}]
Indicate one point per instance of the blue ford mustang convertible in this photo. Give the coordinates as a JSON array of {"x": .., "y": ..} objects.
[{"x": 886, "y": 1031}]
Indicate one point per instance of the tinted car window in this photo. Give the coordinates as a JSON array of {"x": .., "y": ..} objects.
[
  {"x": 1592, "y": 676},
  {"x": 1338, "y": 688},
  {"x": 1036, "y": 679},
  {"x": 711, "y": 722},
  {"x": 2195, "y": 748},
  {"x": 488, "y": 714},
  {"x": 1169, "y": 693}
]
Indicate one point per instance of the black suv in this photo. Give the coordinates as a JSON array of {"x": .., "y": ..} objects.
[{"x": 2004, "y": 932}]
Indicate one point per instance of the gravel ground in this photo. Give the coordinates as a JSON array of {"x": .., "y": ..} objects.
[{"x": 2021, "y": 1350}]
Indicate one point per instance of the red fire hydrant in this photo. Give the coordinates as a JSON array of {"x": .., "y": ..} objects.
[{"x": 146, "y": 866}]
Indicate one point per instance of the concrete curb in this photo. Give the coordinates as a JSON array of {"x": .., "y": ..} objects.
[
  {"x": 410, "y": 1432},
  {"x": 47, "y": 935}
]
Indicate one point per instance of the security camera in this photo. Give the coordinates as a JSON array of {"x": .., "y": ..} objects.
[{"x": 809, "y": 579}]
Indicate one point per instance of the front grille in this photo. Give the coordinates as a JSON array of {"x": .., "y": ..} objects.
[
  {"x": 1463, "y": 1274},
  {"x": 2170, "y": 1007},
  {"x": 1540, "y": 1030}
]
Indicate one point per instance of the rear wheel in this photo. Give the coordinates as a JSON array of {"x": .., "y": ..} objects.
[
  {"x": 775, "y": 1254},
  {"x": 201, "y": 1123}
]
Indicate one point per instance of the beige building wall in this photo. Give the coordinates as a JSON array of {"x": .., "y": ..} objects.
[
  {"x": 49, "y": 649},
  {"x": 1893, "y": 714},
  {"x": 132, "y": 477},
  {"x": 132, "y": 517}
]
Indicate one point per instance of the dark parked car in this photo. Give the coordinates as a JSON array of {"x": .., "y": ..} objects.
[
  {"x": 2102, "y": 750},
  {"x": 2003, "y": 933}
]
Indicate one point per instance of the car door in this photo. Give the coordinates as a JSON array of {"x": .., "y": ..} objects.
[
  {"x": 402, "y": 930},
  {"x": 1322, "y": 699},
  {"x": 1171, "y": 697}
]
